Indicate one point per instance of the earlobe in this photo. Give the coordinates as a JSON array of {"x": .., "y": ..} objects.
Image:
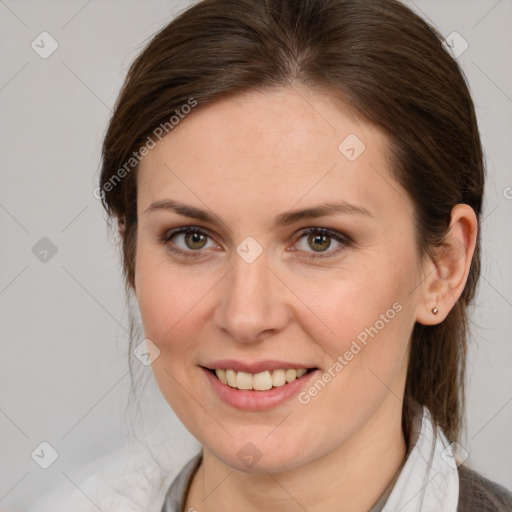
[
  {"x": 448, "y": 275},
  {"x": 121, "y": 224}
]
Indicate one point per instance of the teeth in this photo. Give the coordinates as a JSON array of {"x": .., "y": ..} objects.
[
  {"x": 290, "y": 375},
  {"x": 278, "y": 378},
  {"x": 231, "y": 378},
  {"x": 221, "y": 374},
  {"x": 259, "y": 381},
  {"x": 262, "y": 381},
  {"x": 243, "y": 380}
]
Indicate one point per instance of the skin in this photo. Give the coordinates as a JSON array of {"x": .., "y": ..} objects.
[{"x": 248, "y": 159}]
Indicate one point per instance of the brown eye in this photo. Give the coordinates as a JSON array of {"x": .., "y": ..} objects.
[
  {"x": 188, "y": 241},
  {"x": 195, "y": 240},
  {"x": 319, "y": 240}
]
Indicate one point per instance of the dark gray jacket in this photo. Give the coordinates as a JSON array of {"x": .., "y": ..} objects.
[{"x": 478, "y": 494}]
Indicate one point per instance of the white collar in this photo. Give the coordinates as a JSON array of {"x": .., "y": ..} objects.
[{"x": 429, "y": 479}]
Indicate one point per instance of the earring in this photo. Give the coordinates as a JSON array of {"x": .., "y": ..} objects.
[{"x": 435, "y": 311}]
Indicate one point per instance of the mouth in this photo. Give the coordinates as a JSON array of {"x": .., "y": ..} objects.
[{"x": 261, "y": 381}]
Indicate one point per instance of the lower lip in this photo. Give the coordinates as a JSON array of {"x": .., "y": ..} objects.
[{"x": 251, "y": 400}]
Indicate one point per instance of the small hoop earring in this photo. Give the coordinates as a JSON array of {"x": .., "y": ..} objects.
[{"x": 435, "y": 311}]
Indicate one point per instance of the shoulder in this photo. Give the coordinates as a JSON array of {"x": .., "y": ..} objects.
[
  {"x": 478, "y": 494},
  {"x": 133, "y": 478}
]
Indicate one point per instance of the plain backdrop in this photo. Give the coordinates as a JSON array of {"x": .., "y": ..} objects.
[{"x": 63, "y": 361}]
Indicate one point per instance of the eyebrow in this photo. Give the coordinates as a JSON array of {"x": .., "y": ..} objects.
[{"x": 282, "y": 220}]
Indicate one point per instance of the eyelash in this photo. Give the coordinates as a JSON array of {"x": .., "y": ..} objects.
[{"x": 343, "y": 239}]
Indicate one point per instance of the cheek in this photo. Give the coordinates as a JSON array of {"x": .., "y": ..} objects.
[
  {"x": 173, "y": 307},
  {"x": 164, "y": 294},
  {"x": 347, "y": 302},
  {"x": 168, "y": 304},
  {"x": 362, "y": 320}
]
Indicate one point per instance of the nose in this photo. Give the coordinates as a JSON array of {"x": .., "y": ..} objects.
[{"x": 253, "y": 301}]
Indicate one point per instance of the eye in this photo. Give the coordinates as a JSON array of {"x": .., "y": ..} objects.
[
  {"x": 193, "y": 240},
  {"x": 320, "y": 240}
]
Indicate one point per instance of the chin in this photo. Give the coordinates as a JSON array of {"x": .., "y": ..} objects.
[{"x": 254, "y": 451}]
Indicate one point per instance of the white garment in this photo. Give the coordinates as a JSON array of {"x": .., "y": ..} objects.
[
  {"x": 134, "y": 482},
  {"x": 429, "y": 480},
  {"x": 129, "y": 480}
]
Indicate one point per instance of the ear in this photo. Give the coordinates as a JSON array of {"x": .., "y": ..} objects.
[
  {"x": 446, "y": 277},
  {"x": 121, "y": 225}
]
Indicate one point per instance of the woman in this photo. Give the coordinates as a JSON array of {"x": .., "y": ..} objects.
[{"x": 298, "y": 186}]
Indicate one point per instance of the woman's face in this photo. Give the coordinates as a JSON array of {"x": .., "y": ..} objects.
[{"x": 254, "y": 287}]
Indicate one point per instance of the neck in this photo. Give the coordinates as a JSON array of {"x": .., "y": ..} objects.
[{"x": 350, "y": 478}]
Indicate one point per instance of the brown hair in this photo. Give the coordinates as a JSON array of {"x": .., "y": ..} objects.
[{"x": 378, "y": 57}]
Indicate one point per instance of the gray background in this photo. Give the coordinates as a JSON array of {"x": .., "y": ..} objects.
[{"x": 63, "y": 361}]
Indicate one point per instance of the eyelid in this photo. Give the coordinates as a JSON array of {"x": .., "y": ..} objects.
[
  {"x": 341, "y": 238},
  {"x": 337, "y": 235}
]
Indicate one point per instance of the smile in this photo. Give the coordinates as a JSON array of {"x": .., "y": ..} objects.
[
  {"x": 257, "y": 391},
  {"x": 261, "y": 381}
]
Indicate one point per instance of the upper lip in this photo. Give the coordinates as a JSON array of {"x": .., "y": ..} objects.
[{"x": 256, "y": 367}]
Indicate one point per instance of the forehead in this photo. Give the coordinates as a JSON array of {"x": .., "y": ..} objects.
[{"x": 259, "y": 148}]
